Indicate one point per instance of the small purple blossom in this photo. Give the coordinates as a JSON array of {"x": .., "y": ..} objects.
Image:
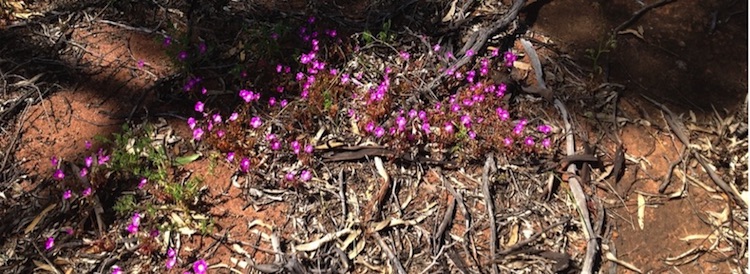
[
  {"x": 182, "y": 55},
  {"x": 116, "y": 269},
  {"x": 256, "y": 122},
  {"x": 545, "y": 129},
  {"x": 171, "y": 261},
  {"x": 404, "y": 55},
  {"x": 529, "y": 141},
  {"x": 509, "y": 58},
  {"x": 466, "y": 120},
  {"x": 101, "y": 157},
  {"x": 216, "y": 118},
  {"x": 167, "y": 41},
  {"x": 275, "y": 145},
  {"x": 199, "y": 106},
  {"x": 58, "y": 175},
  {"x": 309, "y": 148},
  {"x": 379, "y": 132},
  {"x": 546, "y": 143},
  {"x": 84, "y": 171},
  {"x": 289, "y": 176},
  {"x": 86, "y": 192},
  {"x": 200, "y": 266},
  {"x": 232, "y": 117},
  {"x": 448, "y": 127},
  {"x": 230, "y": 156},
  {"x": 305, "y": 175},
  {"x": 87, "y": 144},
  {"x": 245, "y": 165},
  {"x": 508, "y": 141},
  {"x": 295, "y": 146},
  {"x": 197, "y": 134},
  {"x": 246, "y": 95},
  {"x": 141, "y": 63},
  {"x": 67, "y": 194},
  {"x": 50, "y": 243},
  {"x": 54, "y": 161},
  {"x": 191, "y": 122},
  {"x": 502, "y": 114},
  {"x": 142, "y": 183}
]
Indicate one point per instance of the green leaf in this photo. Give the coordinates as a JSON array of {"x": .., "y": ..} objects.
[{"x": 184, "y": 160}]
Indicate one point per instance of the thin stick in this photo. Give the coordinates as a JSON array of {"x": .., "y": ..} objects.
[
  {"x": 489, "y": 165},
  {"x": 638, "y": 14},
  {"x": 592, "y": 246}
]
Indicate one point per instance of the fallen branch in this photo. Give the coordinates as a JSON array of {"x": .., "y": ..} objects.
[
  {"x": 592, "y": 246},
  {"x": 489, "y": 165}
]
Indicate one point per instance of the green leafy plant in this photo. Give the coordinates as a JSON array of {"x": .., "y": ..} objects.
[
  {"x": 125, "y": 204},
  {"x": 595, "y": 54}
]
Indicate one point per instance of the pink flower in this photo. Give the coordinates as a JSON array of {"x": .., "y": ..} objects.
[
  {"x": 84, "y": 171},
  {"x": 233, "y": 116},
  {"x": 466, "y": 120},
  {"x": 116, "y": 269},
  {"x": 86, "y": 192},
  {"x": 529, "y": 141},
  {"x": 546, "y": 143},
  {"x": 54, "y": 161},
  {"x": 171, "y": 262},
  {"x": 58, "y": 175},
  {"x": 305, "y": 176},
  {"x": 87, "y": 144},
  {"x": 502, "y": 114},
  {"x": 379, "y": 132},
  {"x": 141, "y": 63},
  {"x": 426, "y": 127},
  {"x": 545, "y": 129},
  {"x": 370, "y": 126},
  {"x": 508, "y": 141},
  {"x": 404, "y": 55},
  {"x": 132, "y": 229},
  {"x": 448, "y": 127},
  {"x": 275, "y": 145},
  {"x": 182, "y": 55},
  {"x": 197, "y": 134},
  {"x": 171, "y": 253},
  {"x": 283, "y": 103},
  {"x": 216, "y": 118},
  {"x": 245, "y": 164},
  {"x": 309, "y": 148},
  {"x": 289, "y": 176},
  {"x": 191, "y": 122},
  {"x": 295, "y": 146},
  {"x": 142, "y": 183},
  {"x": 50, "y": 243},
  {"x": 199, "y": 106},
  {"x": 247, "y": 95},
  {"x": 256, "y": 122},
  {"x": 509, "y": 58},
  {"x": 167, "y": 41},
  {"x": 230, "y": 156},
  {"x": 200, "y": 266},
  {"x": 88, "y": 161},
  {"x": 101, "y": 157},
  {"x": 67, "y": 194}
]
